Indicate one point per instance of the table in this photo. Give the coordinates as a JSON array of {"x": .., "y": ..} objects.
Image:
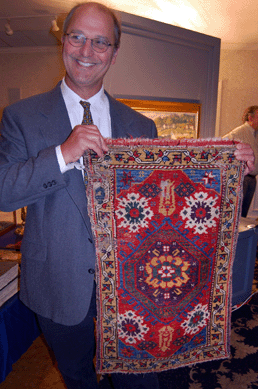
[{"x": 18, "y": 329}]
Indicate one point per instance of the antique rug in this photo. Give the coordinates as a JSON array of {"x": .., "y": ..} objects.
[
  {"x": 165, "y": 220},
  {"x": 240, "y": 371}
]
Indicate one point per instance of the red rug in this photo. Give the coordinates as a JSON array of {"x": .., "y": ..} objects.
[{"x": 165, "y": 220}]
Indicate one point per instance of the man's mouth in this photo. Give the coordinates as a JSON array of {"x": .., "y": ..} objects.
[{"x": 85, "y": 64}]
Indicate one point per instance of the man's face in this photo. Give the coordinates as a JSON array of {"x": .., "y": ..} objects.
[
  {"x": 85, "y": 68},
  {"x": 253, "y": 120}
]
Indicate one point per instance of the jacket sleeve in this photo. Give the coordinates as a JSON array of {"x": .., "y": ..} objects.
[{"x": 29, "y": 168}]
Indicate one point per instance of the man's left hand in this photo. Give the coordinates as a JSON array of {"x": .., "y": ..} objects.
[{"x": 244, "y": 152}]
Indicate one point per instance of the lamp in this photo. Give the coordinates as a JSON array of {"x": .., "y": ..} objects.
[
  {"x": 8, "y": 29},
  {"x": 54, "y": 25}
]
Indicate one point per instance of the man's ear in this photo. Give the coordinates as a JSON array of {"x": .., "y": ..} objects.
[
  {"x": 114, "y": 56},
  {"x": 250, "y": 116}
]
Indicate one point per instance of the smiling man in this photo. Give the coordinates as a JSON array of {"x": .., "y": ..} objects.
[
  {"x": 89, "y": 48},
  {"x": 42, "y": 143}
]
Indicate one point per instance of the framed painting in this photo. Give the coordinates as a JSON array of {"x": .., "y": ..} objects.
[{"x": 174, "y": 120}]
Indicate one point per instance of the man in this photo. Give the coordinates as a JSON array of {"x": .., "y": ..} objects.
[
  {"x": 42, "y": 141},
  {"x": 38, "y": 153},
  {"x": 248, "y": 133}
]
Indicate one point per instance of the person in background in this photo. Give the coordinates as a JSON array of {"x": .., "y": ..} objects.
[
  {"x": 248, "y": 133},
  {"x": 41, "y": 146}
]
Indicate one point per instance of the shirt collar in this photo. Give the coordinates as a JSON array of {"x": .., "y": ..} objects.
[
  {"x": 72, "y": 99},
  {"x": 251, "y": 128}
]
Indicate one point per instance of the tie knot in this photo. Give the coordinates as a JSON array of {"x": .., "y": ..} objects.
[
  {"x": 85, "y": 104},
  {"x": 87, "y": 118}
]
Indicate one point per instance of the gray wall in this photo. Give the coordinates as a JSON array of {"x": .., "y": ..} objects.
[{"x": 158, "y": 61}]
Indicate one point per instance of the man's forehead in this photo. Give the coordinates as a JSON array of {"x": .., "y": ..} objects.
[
  {"x": 91, "y": 10},
  {"x": 89, "y": 17}
]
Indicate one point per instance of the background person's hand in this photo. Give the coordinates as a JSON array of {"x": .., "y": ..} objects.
[{"x": 244, "y": 152}]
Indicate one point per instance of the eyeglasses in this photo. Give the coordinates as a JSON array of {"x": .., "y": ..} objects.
[{"x": 100, "y": 45}]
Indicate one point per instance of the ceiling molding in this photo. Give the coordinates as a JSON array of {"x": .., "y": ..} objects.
[{"x": 239, "y": 46}]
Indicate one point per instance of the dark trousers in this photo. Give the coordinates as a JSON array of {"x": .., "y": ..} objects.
[
  {"x": 74, "y": 349},
  {"x": 249, "y": 186}
]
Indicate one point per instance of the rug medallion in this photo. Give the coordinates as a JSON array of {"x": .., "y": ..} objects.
[{"x": 165, "y": 220}]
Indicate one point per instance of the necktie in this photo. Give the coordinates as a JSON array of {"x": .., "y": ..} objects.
[{"x": 87, "y": 118}]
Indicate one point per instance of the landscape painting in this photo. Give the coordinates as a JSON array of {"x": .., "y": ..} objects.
[{"x": 173, "y": 120}]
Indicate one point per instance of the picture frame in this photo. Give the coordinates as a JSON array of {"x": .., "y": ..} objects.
[{"x": 174, "y": 120}]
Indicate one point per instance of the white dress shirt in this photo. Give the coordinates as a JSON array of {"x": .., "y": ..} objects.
[{"x": 99, "y": 108}]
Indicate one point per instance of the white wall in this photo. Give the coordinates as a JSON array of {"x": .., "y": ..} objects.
[
  {"x": 239, "y": 79},
  {"x": 31, "y": 72}
]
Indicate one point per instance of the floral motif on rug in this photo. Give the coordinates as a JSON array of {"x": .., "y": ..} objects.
[{"x": 165, "y": 220}]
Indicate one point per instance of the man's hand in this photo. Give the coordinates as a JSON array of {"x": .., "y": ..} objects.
[
  {"x": 82, "y": 138},
  {"x": 244, "y": 152}
]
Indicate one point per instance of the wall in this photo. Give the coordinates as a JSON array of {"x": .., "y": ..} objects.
[
  {"x": 238, "y": 78},
  {"x": 29, "y": 71},
  {"x": 160, "y": 61},
  {"x": 156, "y": 61}
]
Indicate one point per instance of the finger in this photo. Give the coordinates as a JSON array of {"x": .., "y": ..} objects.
[
  {"x": 104, "y": 145},
  {"x": 244, "y": 156},
  {"x": 244, "y": 147},
  {"x": 244, "y": 152},
  {"x": 92, "y": 134},
  {"x": 249, "y": 167},
  {"x": 95, "y": 146},
  {"x": 96, "y": 143},
  {"x": 99, "y": 143}
]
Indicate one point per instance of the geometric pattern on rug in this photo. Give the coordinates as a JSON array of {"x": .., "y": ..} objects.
[
  {"x": 240, "y": 371},
  {"x": 165, "y": 219}
]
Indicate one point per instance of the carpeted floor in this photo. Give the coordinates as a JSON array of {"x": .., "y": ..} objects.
[{"x": 35, "y": 369}]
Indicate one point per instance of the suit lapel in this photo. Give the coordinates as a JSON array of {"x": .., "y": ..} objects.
[
  {"x": 55, "y": 127},
  {"x": 120, "y": 123}
]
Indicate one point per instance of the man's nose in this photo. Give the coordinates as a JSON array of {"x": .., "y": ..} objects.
[{"x": 86, "y": 49}]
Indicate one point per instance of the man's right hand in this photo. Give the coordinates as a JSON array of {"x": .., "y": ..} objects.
[{"x": 82, "y": 138}]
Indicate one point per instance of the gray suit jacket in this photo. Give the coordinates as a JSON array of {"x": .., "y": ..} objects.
[{"x": 58, "y": 255}]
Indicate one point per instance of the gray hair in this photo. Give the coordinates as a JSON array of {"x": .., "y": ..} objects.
[{"x": 249, "y": 111}]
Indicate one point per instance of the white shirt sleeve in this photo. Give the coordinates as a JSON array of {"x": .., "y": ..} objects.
[{"x": 65, "y": 167}]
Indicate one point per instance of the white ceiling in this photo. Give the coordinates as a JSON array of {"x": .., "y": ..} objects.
[{"x": 234, "y": 21}]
